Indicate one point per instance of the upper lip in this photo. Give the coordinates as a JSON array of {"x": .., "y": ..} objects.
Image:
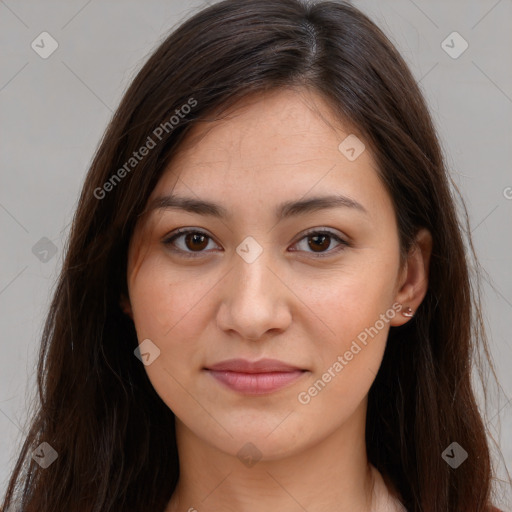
[{"x": 261, "y": 366}]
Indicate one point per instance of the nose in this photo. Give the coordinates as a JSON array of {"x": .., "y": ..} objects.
[{"x": 255, "y": 299}]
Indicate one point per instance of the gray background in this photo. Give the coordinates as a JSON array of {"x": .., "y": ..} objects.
[{"x": 55, "y": 110}]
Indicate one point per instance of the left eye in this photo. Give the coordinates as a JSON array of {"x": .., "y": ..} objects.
[
  {"x": 195, "y": 242},
  {"x": 319, "y": 241}
]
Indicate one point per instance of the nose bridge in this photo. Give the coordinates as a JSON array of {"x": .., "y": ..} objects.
[
  {"x": 253, "y": 276},
  {"x": 254, "y": 302},
  {"x": 252, "y": 279}
]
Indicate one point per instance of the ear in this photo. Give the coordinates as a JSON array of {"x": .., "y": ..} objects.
[
  {"x": 126, "y": 307},
  {"x": 413, "y": 284}
]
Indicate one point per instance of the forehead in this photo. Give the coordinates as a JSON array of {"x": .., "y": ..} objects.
[
  {"x": 275, "y": 129},
  {"x": 283, "y": 137}
]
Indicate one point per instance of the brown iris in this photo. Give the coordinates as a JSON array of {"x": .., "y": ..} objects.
[
  {"x": 197, "y": 241},
  {"x": 321, "y": 240}
]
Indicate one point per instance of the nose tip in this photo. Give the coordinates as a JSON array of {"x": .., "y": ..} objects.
[{"x": 254, "y": 303}]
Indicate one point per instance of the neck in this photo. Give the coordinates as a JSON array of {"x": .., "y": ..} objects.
[{"x": 331, "y": 475}]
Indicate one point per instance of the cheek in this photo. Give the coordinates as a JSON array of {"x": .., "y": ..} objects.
[
  {"x": 164, "y": 299},
  {"x": 351, "y": 300},
  {"x": 169, "y": 307},
  {"x": 166, "y": 306},
  {"x": 346, "y": 365},
  {"x": 356, "y": 310}
]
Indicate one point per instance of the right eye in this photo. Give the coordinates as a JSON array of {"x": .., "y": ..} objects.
[{"x": 191, "y": 241}]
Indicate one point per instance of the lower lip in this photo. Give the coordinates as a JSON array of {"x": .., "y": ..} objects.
[{"x": 256, "y": 383}]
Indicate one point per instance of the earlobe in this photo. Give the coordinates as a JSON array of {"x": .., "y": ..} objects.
[
  {"x": 125, "y": 305},
  {"x": 415, "y": 284}
]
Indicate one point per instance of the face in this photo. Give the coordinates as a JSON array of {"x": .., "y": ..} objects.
[{"x": 312, "y": 286}]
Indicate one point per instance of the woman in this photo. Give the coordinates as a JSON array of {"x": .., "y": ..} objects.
[{"x": 199, "y": 354}]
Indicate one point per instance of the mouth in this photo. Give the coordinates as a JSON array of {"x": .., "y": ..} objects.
[{"x": 255, "y": 378}]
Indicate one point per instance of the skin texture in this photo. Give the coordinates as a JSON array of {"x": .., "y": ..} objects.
[{"x": 287, "y": 305}]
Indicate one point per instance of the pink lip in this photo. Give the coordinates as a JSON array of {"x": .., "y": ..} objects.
[{"x": 255, "y": 378}]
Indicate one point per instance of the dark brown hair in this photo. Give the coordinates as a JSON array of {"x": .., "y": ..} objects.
[{"x": 113, "y": 434}]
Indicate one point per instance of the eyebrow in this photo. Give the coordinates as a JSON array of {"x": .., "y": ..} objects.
[{"x": 283, "y": 211}]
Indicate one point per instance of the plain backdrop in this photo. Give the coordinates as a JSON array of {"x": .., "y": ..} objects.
[{"x": 55, "y": 109}]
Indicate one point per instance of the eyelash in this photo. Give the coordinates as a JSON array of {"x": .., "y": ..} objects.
[{"x": 180, "y": 232}]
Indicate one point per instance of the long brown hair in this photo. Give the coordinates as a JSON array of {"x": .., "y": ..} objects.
[{"x": 113, "y": 435}]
